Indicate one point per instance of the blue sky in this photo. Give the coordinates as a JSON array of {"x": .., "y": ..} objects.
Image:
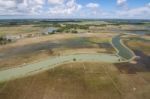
[{"x": 123, "y": 9}]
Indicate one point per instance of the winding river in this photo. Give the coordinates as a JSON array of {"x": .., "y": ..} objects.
[
  {"x": 122, "y": 50},
  {"x": 51, "y": 62}
]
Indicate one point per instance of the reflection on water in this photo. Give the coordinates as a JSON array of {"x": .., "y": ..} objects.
[
  {"x": 27, "y": 49},
  {"x": 140, "y": 32},
  {"x": 51, "y": 29}
]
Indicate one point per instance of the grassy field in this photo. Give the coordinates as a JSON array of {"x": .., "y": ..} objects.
[
  {"x": 140, "y": 44},
  {"x": 80, "y": 81},
  {"x": 70, "y": 27},
  {"x": 143, "y": 46},
  {"x": 21, "y": 29}
]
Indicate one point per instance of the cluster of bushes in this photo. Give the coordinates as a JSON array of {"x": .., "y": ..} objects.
[
  {"x": 4, "y": 41},
  {"x": 76, "y": 26},
  {"x": 43, "y": 25},
  {"x": 72, "y": 28}
]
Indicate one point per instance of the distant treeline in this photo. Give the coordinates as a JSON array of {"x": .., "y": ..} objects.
[
  {"x": 71, "y": 28},
  {"x": 46, "y": 22},
  {"x": 32, "y": 22},
  {"x": 127, "y": 21}
]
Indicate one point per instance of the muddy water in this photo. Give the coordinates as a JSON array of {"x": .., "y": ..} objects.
[{"x": 27, "y": 49}]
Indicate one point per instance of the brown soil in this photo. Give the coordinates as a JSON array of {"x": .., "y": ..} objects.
[
  {"x": 79, "y": 81},
  {"x": 24, "y": 59}
]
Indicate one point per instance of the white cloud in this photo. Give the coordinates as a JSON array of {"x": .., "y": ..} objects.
[
  {"x": 65, "y": 8},
  {"x": 140, "y": 12},
  {"x": 68, "y": 7},
  {"x": 7, "y": 4},
  {"x": 40, "y": 1},
  {"x": 148, "y": 4},
  {"x": 121, "y": 2},
  {"x": 92, "y": 5},
  {"x": 36, "y": 7},
  {"x": 56, "y": 1},
  {"x": 131, "y": 13},
  {"x": 14, "y": 7},
  {"x": 91, "y": 10}
]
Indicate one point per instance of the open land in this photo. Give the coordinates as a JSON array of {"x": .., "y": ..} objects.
[
  {"x": 110, "y": 68},
  {"x": 84, "y": 80}
]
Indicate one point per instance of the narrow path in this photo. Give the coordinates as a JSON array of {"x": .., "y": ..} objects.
[{"x": 52, "y": 62}]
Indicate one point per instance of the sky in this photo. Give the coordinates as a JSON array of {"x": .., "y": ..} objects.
[{"x": 118, "y": 9}]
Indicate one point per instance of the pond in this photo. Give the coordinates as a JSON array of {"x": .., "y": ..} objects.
[
  {"x": 50, "y": 30},
  {"x": 140, "y": 32}
]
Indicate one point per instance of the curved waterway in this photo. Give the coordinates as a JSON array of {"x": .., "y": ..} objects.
[
  {"x": 122, "y": 50},
  {"x": 52, "y": 62}
]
